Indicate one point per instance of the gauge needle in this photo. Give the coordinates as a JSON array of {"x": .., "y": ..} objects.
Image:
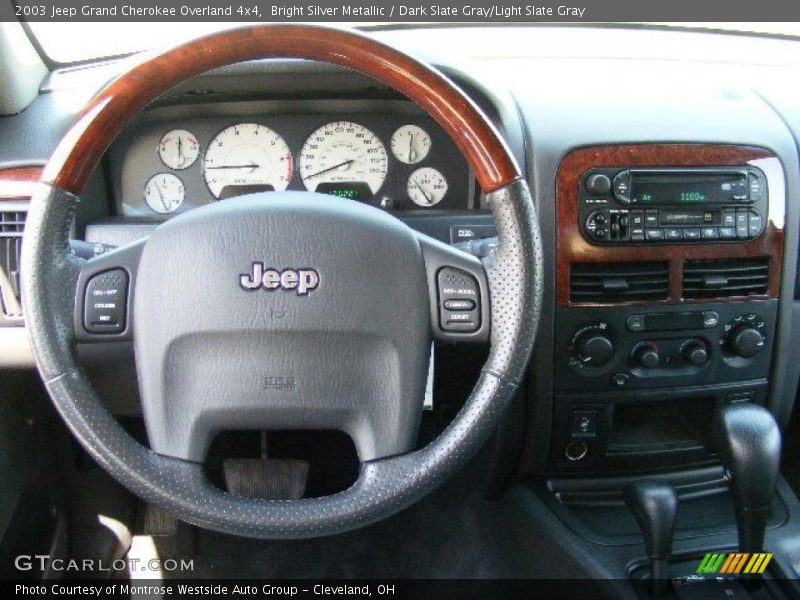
[
  {"x": 428, "y": 197},
  {"x": 249, "y": 166},
  {"x": 329, "y": 169},
  {"x": 161, "y": 195},
  {"x": 181, "y": 158},
  {"x": 411, "y": 155}
]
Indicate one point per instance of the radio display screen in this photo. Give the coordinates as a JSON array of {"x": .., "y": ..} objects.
[{"x": 680, "y": 188}]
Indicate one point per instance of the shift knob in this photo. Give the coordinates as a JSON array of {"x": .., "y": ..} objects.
[
  {"x": 654, "y": 504},
  {"x": 749, "y": 443}
]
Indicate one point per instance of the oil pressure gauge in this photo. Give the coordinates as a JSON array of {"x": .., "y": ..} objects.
[{"x": 164, "y": 193}]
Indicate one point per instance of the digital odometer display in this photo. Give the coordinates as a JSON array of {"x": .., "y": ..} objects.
[
  {"x": 681, "y": 189},
  {"x": 352, "y": 190}
]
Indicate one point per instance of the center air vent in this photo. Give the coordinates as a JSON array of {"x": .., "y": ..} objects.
[
  {"x": 619, "y": 282},
  {"x": 714, "y": 278},
  {"x": 12, "y": 225}
]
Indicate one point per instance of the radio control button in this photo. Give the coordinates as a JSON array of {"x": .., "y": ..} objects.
[
  {"x": 654, "y": 234},
  {"x": 637, "y": 218},
  {"x": 741, "y": 224},
  {"x": 598, "y": 184},
  {"x": 600, "y": 233},
  {"x": 727, "y": 233},
  {"x": 637, "y": 234},
  {"x": 755, "y": 224},
  {"x": 621, "y": 187},
  {"x": 710, "y": 233},
  {"x": 600, "y": 218},
  {"x": 651, "y": 218},
  {"x": 755, "y": 187},
  {"x": 729, "y": 218},
  {"x": 691, "y": 233},
  {"x": 673, "y": 234}
]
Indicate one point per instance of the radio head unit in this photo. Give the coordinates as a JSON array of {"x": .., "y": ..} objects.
[{"x": 619, "y": 205}]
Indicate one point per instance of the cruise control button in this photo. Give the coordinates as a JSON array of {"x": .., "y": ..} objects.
[
  {"x": 105, "y": 302},
  {"x": 459, "y": 304}
]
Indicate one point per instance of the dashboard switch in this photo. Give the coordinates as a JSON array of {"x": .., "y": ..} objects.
[
  {"x": 459, "y": 301},
  {"x": 105, "y": 302}
]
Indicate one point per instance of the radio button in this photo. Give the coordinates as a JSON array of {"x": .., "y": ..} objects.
[
  {"x": 651, "y": 218},
  {"x": 654, "y": 234},
  {"x": 729, "y": 218},
  {"x": 621, "y": 187},
  {"x": 755, "y": 187},
  {"x": 637, "y": 234},
  {"x": 598, "y": 184},
  {"x": 741, "y": 224},
  {"x": 727, "y": 233},
  {"x": 710, "y": 233},
  {"x": 755, "y": 224},
  {"x": 600, "y": 233},
  {"x": 691, "y": 233},
  {"x": 673, "y": 234},
  {"x": 637, "y": 218}
]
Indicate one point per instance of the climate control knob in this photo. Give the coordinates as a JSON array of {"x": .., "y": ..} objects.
[
  {"x": 594, "y": 349},
  {"x": 695, "y": 352},
  {"x": 646, "y": 355},
  {"x": 745, "y": 341}
]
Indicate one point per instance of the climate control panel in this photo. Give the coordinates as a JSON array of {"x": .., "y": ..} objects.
[{"x": 619, "y": 348}]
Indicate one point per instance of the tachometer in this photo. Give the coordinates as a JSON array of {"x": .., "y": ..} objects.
[
  {"x": 344, "y": 159},
  {"x": 247, "y": 158}
]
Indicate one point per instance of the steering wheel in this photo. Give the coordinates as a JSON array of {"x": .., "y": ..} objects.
[{"x": 281, "y": 310}]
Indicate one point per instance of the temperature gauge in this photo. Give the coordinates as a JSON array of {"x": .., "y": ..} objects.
[
  {"x": 178, "y": 149},
  {"x": 164, "y": 193},
  {"x": 426, "y": 187}
]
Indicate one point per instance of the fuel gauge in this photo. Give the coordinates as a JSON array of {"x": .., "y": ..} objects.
[{"x": 164, "y": 193}]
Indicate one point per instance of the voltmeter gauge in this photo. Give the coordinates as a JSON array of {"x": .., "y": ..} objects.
[
  {"x": 178, "y": 149},
  {"x": 164, "y": 193},
  {"x": 426, "y": 187}
]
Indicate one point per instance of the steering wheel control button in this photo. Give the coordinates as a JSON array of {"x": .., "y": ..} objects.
[
  {"x": 459, "y": 301},
  {"x": 104, "y": 302},
  {"x": 459, "y": 304}
]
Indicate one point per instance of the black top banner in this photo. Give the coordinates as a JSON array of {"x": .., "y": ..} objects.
[{"x": 405, "y": 11}]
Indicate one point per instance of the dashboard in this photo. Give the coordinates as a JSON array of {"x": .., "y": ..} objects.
[
  {"x": 382, "y": 153},
  {"x": 619, "y": 380}
]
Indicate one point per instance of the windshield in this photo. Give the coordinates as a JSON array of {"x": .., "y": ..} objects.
[{"x": 75, "y": 42}]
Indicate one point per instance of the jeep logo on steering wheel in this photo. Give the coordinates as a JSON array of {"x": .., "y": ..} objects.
[{"x": 302, "y": 281}]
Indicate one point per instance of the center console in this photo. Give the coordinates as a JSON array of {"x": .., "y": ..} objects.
[{"x": 668, "y": 274}]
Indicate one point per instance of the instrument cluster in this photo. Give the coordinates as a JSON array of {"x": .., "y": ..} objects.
[{"x": 398, "y": 162}]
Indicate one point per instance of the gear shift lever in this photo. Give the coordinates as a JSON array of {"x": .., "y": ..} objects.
[
  {"x": 749, "y": 443},
  {"x": 654, "y": 504}
]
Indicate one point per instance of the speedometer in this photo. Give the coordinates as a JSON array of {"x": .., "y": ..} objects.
[
  {"x": 245, "y": 159},
  {"x": 344, "y": 159}
]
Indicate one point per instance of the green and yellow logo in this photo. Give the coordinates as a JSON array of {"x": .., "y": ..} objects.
[{"x": 734, "y": 562}]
